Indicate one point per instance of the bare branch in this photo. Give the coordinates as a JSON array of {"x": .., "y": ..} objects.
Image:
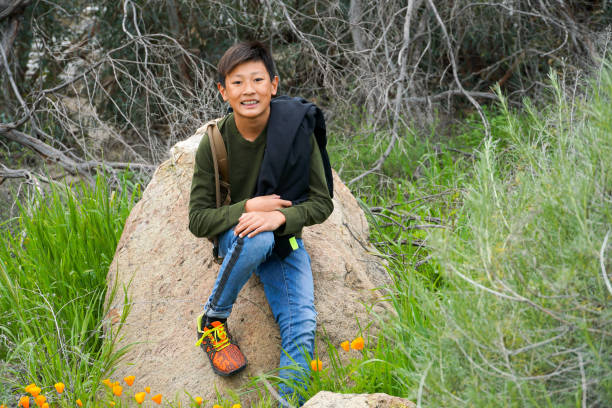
[
  {"x": 602, "y": 263},
  {"x": 12, "y": 81},
  {"x": 6, "y": 173},
  {"x": 31, "y": 178},
  {"x": 446, "y": 94},
  {"x": 9, "y": 7},
  {"x": 451, "y": 55},
  {"x": 583, "y": 378},
  {"x": 56, "y": 156},
  {"x": 398, "y": 99},
  {"x": 423, "y": 261}
]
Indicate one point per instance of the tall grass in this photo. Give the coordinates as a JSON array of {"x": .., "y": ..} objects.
[
  {"x": 525, "y": 317},
  {"x": 511, "y": 308},
  {"x": 54, "y": 258}
]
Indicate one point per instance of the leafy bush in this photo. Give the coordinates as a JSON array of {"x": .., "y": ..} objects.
[{"x": 524, "y": 318}]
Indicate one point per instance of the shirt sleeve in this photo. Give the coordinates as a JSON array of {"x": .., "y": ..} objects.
[
  {"x": 205, "y": 220},
  {"x": 319, "y": 205}
]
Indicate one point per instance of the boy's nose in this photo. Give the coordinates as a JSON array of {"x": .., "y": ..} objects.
[{"x": 248, "y": 87}]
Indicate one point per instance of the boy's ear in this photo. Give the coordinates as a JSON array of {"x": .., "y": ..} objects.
[
  {"x": 222, "y": 91},
  {"x": 275, "y": 85}
]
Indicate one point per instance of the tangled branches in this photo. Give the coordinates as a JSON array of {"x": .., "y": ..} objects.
[{"x": 120, "y": 82}]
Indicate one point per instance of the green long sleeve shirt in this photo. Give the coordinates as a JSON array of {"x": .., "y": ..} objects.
[{"x": 245, "y": 158}]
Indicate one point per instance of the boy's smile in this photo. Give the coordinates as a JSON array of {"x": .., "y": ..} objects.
[{"x": 249, "y": 89}]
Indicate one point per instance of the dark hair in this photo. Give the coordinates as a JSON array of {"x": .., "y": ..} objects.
[{"x": 244, "y": 52}]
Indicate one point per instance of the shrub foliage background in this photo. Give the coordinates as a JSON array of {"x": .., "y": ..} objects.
[
  {"x": 510, "y": 307},
  {"x": 494, "y": 230},
  {"x": 525, "y": 319}
]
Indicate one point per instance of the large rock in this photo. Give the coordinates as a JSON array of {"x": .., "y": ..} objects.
[
  {"x": 326, "y": 399},
  {"x": 169, "y": 274}
]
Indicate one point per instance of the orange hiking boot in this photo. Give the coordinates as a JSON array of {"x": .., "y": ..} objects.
[{"x": 225, "y": 357}]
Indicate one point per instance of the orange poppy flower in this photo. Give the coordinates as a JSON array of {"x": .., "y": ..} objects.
[
  {"x": 34, "y": 391},
  {"x": 357, "y": 344},
  {"x": 198, "y": 401},
  {"x": 111, "y": 403},
  {"x": 28, "y": 387},
  {"x": 316, "y": 365},
  {"x": 40, "y": 399},
  {"x": 157, "y": 398},
  {"x": 345, "y": 345},
  {"x": 139, "y": 397},
  {"x": 108, "y": 383},
  {"x": 217, "y": 406},
  {"x": 148, "y": 390},
  {"x": 24, "y": 402},
  {"x": 59, "y": 387},
  {"x": 117, "y": 390},
  {"x": 79, "y": 402},
  {"x": 236, "y": 406},
  {"x": 129, "y": 380}
]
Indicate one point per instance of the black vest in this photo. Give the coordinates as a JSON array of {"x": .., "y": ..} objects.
[{"x": 285, "y": 168}]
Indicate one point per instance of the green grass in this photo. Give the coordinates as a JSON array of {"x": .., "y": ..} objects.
[
  {"x": 523, "y": 317},
  {"x": 54, "y": 258},
  {"x": 494, "y": 246}
]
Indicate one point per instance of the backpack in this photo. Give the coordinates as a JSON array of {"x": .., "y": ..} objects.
[{"x": 220, "y": 164}]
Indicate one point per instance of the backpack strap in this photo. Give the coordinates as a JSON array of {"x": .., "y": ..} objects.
[{"x": 220, "y": 164}]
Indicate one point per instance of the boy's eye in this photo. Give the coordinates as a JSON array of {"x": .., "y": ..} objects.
[
  {"x": 236, "y": 82},
  {"x": 259, "y": 79}
]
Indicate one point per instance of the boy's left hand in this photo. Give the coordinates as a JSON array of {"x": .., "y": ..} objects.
[{"x": 252, "y": 223}]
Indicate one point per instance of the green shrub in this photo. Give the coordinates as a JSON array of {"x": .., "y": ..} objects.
[{"x": 525, "y": 318}]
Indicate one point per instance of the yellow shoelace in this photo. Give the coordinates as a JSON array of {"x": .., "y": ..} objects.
[{"x": 219, "y": 337}]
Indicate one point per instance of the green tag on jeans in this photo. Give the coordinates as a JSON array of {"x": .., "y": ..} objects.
[{"x": 293, "y": 242}]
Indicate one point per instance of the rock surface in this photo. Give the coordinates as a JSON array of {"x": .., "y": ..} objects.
[
  {"x": 169, "y": 274},
  {"x": 326, "y": 399}
]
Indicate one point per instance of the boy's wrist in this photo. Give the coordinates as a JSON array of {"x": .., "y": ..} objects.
[{"x": 281, "y": 217}]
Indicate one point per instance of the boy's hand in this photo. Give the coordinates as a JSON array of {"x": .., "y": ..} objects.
[
  {"x": 252, "y": 223},
  {"x": 266, "y": 203}
]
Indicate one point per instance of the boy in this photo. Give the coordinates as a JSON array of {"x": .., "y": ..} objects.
[{"x": 280, "y": 181}]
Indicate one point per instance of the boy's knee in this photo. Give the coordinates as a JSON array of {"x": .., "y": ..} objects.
[{"x": 261, "y": 243}]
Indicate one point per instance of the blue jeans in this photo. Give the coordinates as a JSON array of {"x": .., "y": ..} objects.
[{"x": 289, "y": 289}]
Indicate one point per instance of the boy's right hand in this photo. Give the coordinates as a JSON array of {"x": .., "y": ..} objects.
[{"x": 266, "y": 203}]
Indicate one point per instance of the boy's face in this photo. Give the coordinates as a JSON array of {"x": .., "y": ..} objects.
[{"x": 249, "y": 89}]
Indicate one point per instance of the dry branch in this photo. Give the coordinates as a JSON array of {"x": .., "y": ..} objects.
[
  {"x": 10, "y": 7},
  {"x": 451, "y": 54},
  {"x": 422, "y": 261},
  {"x": 31, "y": 178},
  {"x": 151, "y": 87},
  {"x": 602, "y": 253},
  {"x": 6, "y": 173},
  {"x": 57, "y": 156}
]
